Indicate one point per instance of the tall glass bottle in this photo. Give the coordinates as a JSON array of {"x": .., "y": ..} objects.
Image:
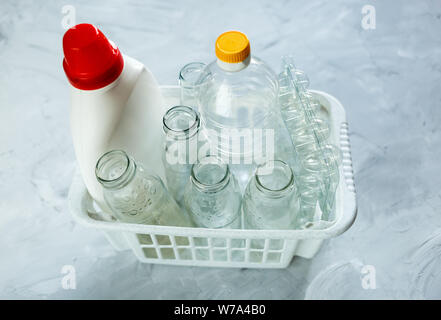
[
  {"x": 134, "y": 195},
  {"x": 181, "y": 125}
]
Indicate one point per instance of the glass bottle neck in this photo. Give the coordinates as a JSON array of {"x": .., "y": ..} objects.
[
  {"x": 115, "y": 169},
  {"x": 274, "y": 179},
  {"x": 181, "y": 123},
  {"x": 210, "y": 175},
  {"x": 190, "y": 75}
]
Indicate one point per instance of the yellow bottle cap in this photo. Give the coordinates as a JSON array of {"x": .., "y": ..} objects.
[{"x": 232, "y": 47}]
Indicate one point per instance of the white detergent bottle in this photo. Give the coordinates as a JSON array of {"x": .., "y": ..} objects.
[{"x": 116, "y": 104}]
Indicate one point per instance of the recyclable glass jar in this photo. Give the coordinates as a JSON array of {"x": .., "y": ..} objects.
[
  {"x": 270, "y": 200},
  {"x": 212, "y": 196},
  {"x": 181, "y": 125},
  {"x": 134, "y": 195}
]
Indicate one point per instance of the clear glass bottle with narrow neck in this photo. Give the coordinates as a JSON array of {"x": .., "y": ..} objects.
[
  {"x": 181, "y": 125},
  {"x": 212, "y": 196},
  {"x": 135, "y": 195},
  {"x": 270, "y": 200},
  {"x": 188, "y": 82}
]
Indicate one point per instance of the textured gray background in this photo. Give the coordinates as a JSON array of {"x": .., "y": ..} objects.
[{"x": 388, "y": 79}]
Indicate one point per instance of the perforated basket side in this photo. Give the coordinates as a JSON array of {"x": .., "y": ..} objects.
[{"x": 210, "y": 251}]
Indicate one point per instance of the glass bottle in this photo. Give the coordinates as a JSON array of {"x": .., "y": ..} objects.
[
  {"x": 188, "y": 78},
  {"x": 270, "y": 200},
  {"x": 212, "y": 196},
  {"x": 134, "y": 195},
  {"x": 181, "y": 125}
]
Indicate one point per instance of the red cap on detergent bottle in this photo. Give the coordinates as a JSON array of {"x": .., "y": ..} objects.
[{"x": 91, "y": 61}]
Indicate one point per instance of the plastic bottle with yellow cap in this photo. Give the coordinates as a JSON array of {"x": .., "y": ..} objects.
[{"x": 238, "y": 105}]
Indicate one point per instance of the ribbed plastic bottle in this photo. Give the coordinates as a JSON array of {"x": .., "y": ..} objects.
[
  {"x": 115, "y": 104},
  {"x": 238, "y": 104}
]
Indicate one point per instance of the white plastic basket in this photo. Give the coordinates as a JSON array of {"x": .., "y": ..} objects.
[{"x": 227, "y": 248}]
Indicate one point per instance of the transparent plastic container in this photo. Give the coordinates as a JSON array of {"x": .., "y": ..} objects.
[
  {"x": 319, "y": 161},
  {"x": 238, "y": 105}
]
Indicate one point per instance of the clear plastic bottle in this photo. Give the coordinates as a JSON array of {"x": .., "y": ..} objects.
[
  {"x": 238, "y": 105},
  {"x": 134, "y": 195},
  {"x": 318, "y": 172}
]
